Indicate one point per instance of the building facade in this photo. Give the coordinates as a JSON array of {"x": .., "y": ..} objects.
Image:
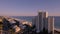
[
  {"x": 51, "y": 25},
  {"x": 43, "y": 23}
]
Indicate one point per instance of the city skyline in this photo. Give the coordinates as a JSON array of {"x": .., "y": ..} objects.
[{"x": 29, "y": 7}]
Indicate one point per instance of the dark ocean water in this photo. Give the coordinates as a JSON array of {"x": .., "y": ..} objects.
[{"x": 29, "y": 18}]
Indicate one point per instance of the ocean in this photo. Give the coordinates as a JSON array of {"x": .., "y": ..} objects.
[{"x": 29, "y": 18}]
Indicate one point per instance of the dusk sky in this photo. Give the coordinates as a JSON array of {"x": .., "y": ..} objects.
[{"x": 29, "y": 7}]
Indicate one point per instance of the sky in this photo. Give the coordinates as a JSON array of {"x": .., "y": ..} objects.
[{"x": 29, "y": 7}]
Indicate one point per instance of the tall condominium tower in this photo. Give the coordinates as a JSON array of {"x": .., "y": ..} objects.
[
  {"x": 39, "y": 24},
  {"x": 44, "y": 23},
  {"x": 45, "y": 20},
  {"x": 51, "y": 25},
  {"x": 41, "y": 21}
]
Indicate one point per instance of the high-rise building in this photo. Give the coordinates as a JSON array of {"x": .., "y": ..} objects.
[
  {"x": 51, "y": 25},
  {"x": 35, "y": 22},
  {"x": 44, "y": 23},
  {"x": 45, "y": 20},
  {"x": 41, "y": 21}
]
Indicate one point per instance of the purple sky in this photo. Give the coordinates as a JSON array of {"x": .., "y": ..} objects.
[{"x": 29, "y": 7}]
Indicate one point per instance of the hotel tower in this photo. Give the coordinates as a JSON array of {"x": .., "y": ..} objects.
[
  {"x": 51, "y": 25},
  {"x": 42, "y": 22}
]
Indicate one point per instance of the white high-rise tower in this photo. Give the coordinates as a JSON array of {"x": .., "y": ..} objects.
[
  {"x": 43, "y": 22},
  {"x": 51, "y": 25}
]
